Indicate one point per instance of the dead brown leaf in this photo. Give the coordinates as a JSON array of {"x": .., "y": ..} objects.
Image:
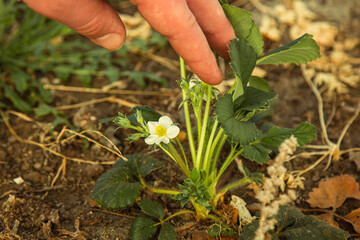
[
  {"x": 354, "y": 219},
  {"x": 333, "y": 192},
  {"x": 328, "y": 218}
]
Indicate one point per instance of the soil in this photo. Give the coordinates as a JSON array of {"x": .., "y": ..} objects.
[{"x": 55, "y": 204}]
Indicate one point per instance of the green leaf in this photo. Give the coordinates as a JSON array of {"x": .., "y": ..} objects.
[
  {"x": 116, "y": 189},
  {"x": 195, "y": 175},
  {"x": 310, "y": 227},
  {"x": 249, "y": 231},
  {"x": 106, "y": 120},
  {"x": 147, "y": 113},
  {"x": 167, "y": 232},
  {"x": 253, "y": 99},
  {"x": 156, "y": 78},
  {"x": 21, "y": 81},
  {"x": 152, "y": 209},
  {"x": 112, "y": 74},
  {"x": 245, "y": 27},
  {"x": 136, "y": 136},
  {"x": 45, "y": 109},
  {"x": 138, "y": 77},
  {"x": 257, "y": 153},
  {"x": 301, "y": 50},
  {"x": 222, "y": 2},
  {"x": 60, "y": 120},
  {"x": 259, "y": 83},
  {"x": 241, "y": 132},
  {"x": 217, "y": 231},
  {"x": 224, "y": 108},
  {"x": 142, "y": 228},
  {"x": 304, "y": 133},
  {"x": 292, "y": 224},
  {"x": 139, "y": 164},
  {"x": 63, "y": 71},
  {"x": 18, "y": 102},
  {"x": 243, "y": 60},
  {"x": 196, "y": 190},
  {"x": 44, "y": 93}
]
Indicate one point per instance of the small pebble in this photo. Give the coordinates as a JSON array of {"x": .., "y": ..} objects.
[
  {"x": 18, "y": 180},
  {"x": 315, "y": 177},
  {"x": 48, "y": 169},
  {"x": 94, "y": 170},
  {"x": 25, "y": 166},
  {"x": 37, "y": 165},
  {"x": 33, "y": 177},
  {"x": 2, "y": 155},
  {"x": 54, "y": 217}
]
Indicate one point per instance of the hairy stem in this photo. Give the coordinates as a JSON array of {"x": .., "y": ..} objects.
[
  {"x": 157, "y": 190},
  {"x": 216, "y": 147},
  {"x": 175, "y": 156},
  {"x": 183, "y": 152},
  {"x": 179, "y": 161},
  {"x": 208, "y": 156},
  {"x": 235, "y": 184},
  {"x": 203, "y": 129},
  {"x": 174, "y": 215},
  {"x": 187, "y": 115},
  {"x": 232, "y": 155}
]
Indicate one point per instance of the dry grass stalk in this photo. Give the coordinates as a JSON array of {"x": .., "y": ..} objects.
[
  {"x": 109, "y": 91},
  {"x": 330, "y": 149},
  {"x": 269, "y": 195}
]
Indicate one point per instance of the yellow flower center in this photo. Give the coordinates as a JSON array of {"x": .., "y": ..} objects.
[{"x": 160, "y": 131}]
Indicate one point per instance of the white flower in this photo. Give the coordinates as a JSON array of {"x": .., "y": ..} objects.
[{"x": 161, "y": 131}]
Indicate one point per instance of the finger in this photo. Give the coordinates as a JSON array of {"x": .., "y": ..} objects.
[
  {"x": 173, "y": 19},
  {"x": 212, "y": 20},
  {"x": 95, "y": 19}
]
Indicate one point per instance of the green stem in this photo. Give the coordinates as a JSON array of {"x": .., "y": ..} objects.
[
  {"x": 217, "y": 147},
  {"x": 157, "y": 190},
  {"x": 217, "y": 220},
  {"x": 187, "y": 115},
  {"x": 233, "y": 154},
  {"x": 235, "y": 184},
  {"x": 234, "y": 85},
  {"x": 178, "y": 160},
  {"x": 174, "y": 156},
  {"x": 183, "y": 152},
  {"x": 203, "y": 128},
  {"x": 208, "y": 157},
  {"x": 198, "y": 120},
  {"x": 174, "y": 215}
]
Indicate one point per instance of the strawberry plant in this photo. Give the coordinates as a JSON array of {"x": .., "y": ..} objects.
[{"x": 230, "y": 124}]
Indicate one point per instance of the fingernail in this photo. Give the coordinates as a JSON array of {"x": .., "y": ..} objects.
[{"x": 111, "y": 41}]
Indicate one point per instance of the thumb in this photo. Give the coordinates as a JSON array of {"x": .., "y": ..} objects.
[{"x": 95, "y": 19}]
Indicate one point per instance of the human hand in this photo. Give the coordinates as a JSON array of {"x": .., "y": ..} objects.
[{"x": 190, "y": 26}]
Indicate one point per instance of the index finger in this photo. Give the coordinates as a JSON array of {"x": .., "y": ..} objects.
[{"x": 173, "y": 19}]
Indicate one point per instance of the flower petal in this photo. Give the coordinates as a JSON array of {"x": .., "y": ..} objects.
[
  {"x": 152, "y": 125},
  {"x": 151, "y": 139},
  {"x": 162, "y": 139},
  {"x": 172, "y": 131},
  {"x": 165, "y": 121}
]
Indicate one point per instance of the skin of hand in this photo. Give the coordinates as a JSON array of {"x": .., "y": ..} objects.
[{"x": 191, "y": 26}]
